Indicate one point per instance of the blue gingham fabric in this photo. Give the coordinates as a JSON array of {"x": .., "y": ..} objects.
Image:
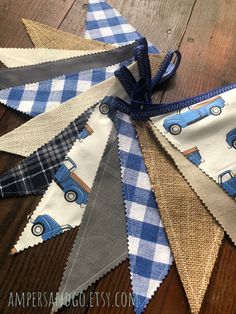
[
  {"x": 104, "y": 24},
  {"x": 36, "y": 98},
  {"x": 149, "y": 250}
]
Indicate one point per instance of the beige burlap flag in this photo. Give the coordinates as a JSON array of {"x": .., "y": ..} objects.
[
  {"x": 194, "y": 235},
  {"x": 44, "y": 36}
]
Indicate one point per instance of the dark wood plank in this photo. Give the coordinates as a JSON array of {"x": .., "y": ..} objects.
[
  {"x": 74, "y": 21},
  {"x": 12, "y": 11},
  {"x": 208, "y": 50},
  {"x": 162, "y": 22},
  {"x": 220, "y": 296}
]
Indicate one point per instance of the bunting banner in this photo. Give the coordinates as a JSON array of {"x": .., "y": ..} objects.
[
  {"x": 194, "y": 235},
  {"x": 205, "y": 132},
  {"x": 44, "y": 36},
  {"x": 149, "y": 252},
  {"x": 62, "y": 206},
  {"x": 94, "y": 129},
  {"x": 17, "y": 57},
  {"x": 220, "y": 205},
  {"x": 103, "y": 225}
]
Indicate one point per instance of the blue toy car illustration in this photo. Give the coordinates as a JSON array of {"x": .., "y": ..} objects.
[
  {"x": 227, "y": 181},
  {"x": 231, "y": 138},
  {"x": 175, "y": 123},
  {"x": 194, "y": 155},
  {"x": 75, "y": 190},
  {"x": 47, "y": 227},
  {"x": 86, "y": 131}
]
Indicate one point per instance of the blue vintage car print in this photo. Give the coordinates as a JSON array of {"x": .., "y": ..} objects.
[
  {"x": 231, "y": 138},
  {"x": 75, "y": 190},
  {"x": 193, "y": 155},
  {"x": 227, "y": 181},
  {"x": 175, "y": 123},
  {"x": 86, "y": 131},
  {"x": 47, "y": 227}
]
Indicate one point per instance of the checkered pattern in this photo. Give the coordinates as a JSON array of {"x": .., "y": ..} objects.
[
  {"x": 34, "y": 174},
  {"x": 149, "y": 251},
  {"x": 104, "y": 24},
  {"x": 36, "y": 98},
  {"x": 107, "y": 25}
]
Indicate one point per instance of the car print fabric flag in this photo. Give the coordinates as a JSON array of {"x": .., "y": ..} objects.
[
  {"x": 205, "y": 132},
  {"x": 62, "y": 206},
  {"x": 35, "y": 173}
]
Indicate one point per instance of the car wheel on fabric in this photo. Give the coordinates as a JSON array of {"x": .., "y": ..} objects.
[
  {"x": 234, "y": 144},
  {"x": 70, "y": 196},
  {"x": 175, "y": 129},
  {"x": 104, "y": 109},
  {"x": 215, "y": 111},
  {"x": 38, "y": 229}
]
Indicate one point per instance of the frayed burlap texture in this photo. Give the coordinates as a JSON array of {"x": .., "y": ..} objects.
[
  {"x": 220, "y": 204},
  {"x": 194, "y": 235},
  {"x": 44, "y": 36}
]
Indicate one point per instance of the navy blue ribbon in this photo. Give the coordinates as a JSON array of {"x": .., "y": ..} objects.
[{"x": 140, "y": 92}]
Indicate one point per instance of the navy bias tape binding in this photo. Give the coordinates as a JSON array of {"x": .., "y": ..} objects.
[
  {"x": 140, "y": 92},
  {"x": 140, "y": 106}
]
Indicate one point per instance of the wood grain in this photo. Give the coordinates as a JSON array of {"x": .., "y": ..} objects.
[
  {"x": 12, "y": 11},
  {"x": 205, "y": 33},
  {"x": 162, "y": 22}
]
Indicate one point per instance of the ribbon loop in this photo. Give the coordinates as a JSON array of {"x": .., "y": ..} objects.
[{"x": 140, "y": 92}]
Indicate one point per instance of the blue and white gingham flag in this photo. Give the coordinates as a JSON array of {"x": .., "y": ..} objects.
[
  {"x": 103, "y": 23},
  {"x": 36, "y": 98},
  {"x": 149, "y": 250}
]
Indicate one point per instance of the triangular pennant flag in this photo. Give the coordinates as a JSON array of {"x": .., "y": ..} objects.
[
  {"x": 26, "y": 139},
  {"x": 30, "y": 98},
  {"x": 194, "y": 235},
  {"x": 62, "y": 206},
  {"x": 44, "y": 36},
  {"x": 16, "y": 57},
  {"x": 34, "y": 174},
  {"x": 34, "y": 99},
  {"x": 149, "y": 251},
  {"x": 105, "y": 24},
  {"x": 73, "y": 76},
  {"x": 49, "y": 70},
  {"x": 101, "y": 242},
  {"x": 194, "y": 130},
  {"x": 220, "y": 205}
]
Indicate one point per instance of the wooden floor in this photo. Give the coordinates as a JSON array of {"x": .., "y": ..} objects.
[{"x": 205, "y": 33}]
